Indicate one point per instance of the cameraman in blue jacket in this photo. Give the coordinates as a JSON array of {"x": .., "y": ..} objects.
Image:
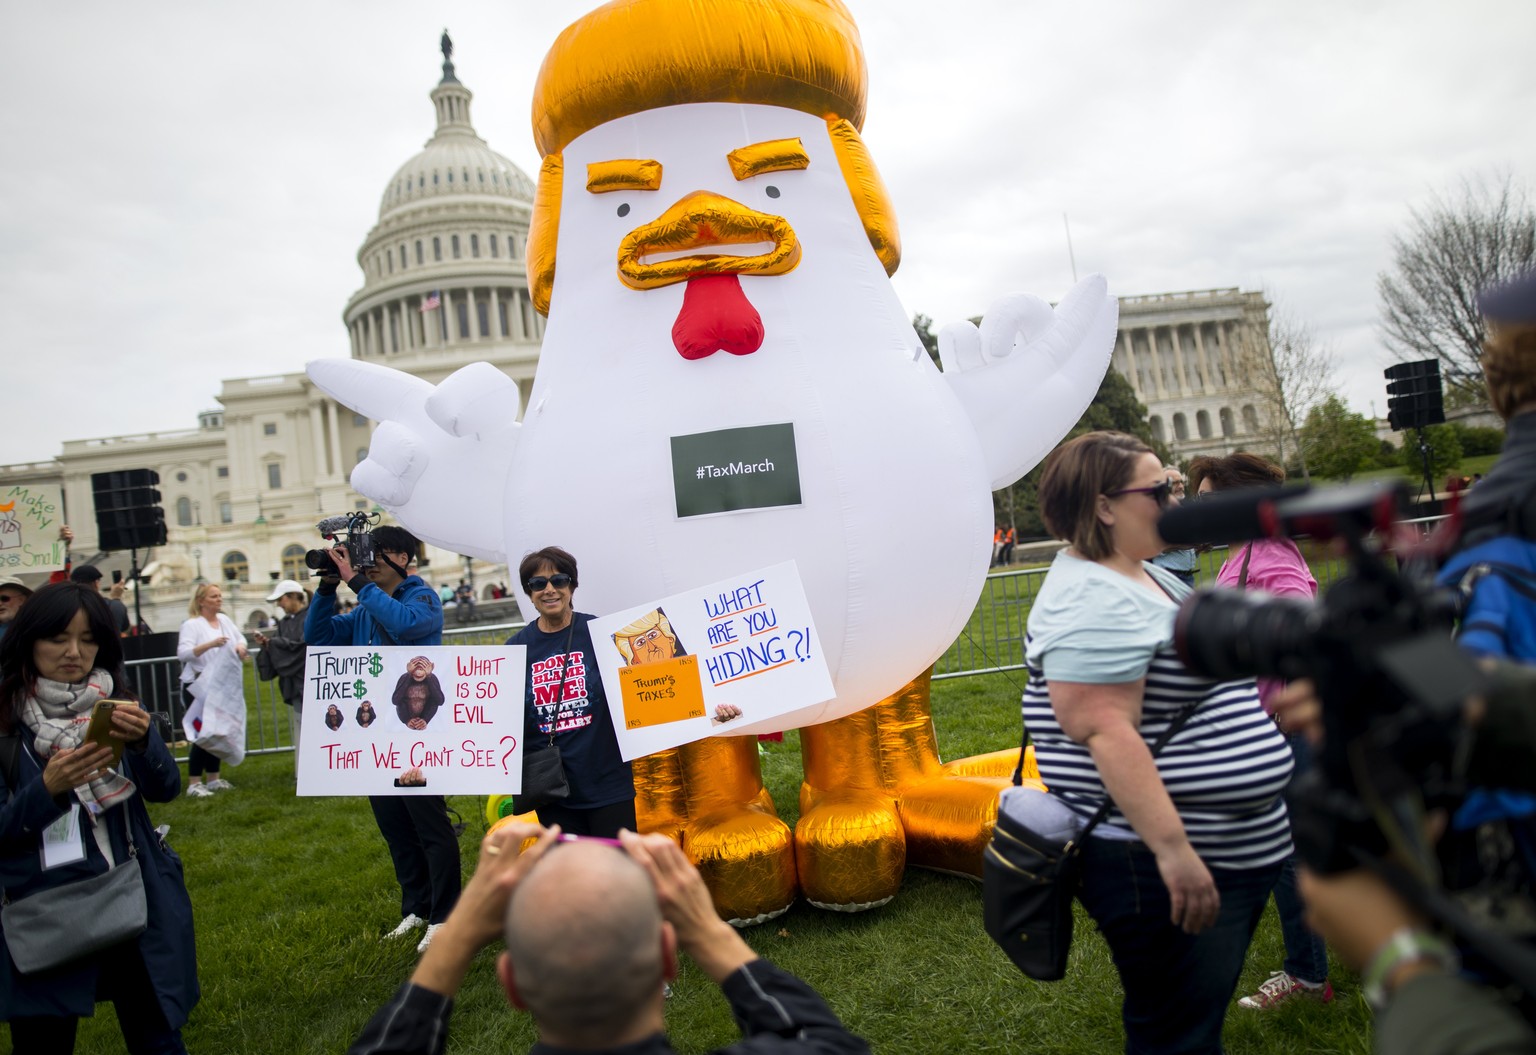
[{"x": 394, "y": 607}]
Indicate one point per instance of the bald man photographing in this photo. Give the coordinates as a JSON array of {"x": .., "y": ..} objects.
[{"x": 592, "y": 931}]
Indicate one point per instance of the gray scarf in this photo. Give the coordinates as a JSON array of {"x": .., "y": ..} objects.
[{"x": 57, "y": 714}]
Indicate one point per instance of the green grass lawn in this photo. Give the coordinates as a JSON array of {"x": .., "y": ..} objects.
[
  {"x": 291, "y": 896},
  {"x": 1480, "y": 463}
]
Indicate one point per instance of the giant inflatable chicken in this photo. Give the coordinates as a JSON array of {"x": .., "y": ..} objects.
[{"x": 711, "y": 244}]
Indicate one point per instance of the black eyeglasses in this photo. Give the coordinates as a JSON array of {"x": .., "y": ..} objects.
[
  {"x": 1162, "y": 493},
  {"x": 559, "y": 581}
]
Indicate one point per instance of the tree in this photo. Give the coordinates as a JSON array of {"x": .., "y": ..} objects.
[
  {"x": 1291, "y": 376},
  {"x": 1476, "y": 440},
  {"x": 1338, "y": 441},
  {"x": 1452, "y": 248},
  {"x": 1114, "y": 406},
  {"x": 924, "y": 327}
]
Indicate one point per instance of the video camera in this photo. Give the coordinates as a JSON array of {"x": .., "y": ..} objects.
[
  {"x": 1391, "y": 681},
  {"x": 1377, "y": 646},
  {"x": 353, "y": 531}
]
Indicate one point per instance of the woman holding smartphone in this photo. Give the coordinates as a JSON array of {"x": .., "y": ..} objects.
[{"x": 60, "y": 657}]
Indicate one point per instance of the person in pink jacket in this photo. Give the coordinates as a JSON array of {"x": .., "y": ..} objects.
[{"x": 1275, "y": 566}]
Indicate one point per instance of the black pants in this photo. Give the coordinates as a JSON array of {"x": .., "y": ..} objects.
[
  {"x": 124, "y": 980},
  {"x": 424, "y": 850},
  {"x": 198, "y": 760},
  {"x": 604, "y": 820}
]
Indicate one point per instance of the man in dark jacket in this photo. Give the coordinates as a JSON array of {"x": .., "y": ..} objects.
[
  {"x": 394, "y": 607},
  {"x": 282, "y": 652},
  {"x": 591, "y": 934}
]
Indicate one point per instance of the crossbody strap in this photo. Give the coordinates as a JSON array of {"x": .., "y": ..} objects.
[
  {"x": 565, "y": 662},
  {"x": 1169, "y": 733}
]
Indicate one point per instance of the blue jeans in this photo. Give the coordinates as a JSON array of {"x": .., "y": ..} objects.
[
  {"x": 1177, "y": 986},
  {"x": 1306, "y": 955}
]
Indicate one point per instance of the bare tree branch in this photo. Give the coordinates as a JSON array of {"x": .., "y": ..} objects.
[
  {"x": 1451, "y": 249},
  {"x": 1292, "y": 375}
]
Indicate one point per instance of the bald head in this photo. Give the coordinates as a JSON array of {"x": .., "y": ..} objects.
[{"x": 583, "y": 933}]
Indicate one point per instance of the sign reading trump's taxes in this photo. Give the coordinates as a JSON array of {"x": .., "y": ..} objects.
[
  {"x": 712, "y": 661},
  {"x": 412, "y": 719}
]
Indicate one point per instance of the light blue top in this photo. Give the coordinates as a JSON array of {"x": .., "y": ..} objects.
[
  {"x": 1179, "y": 559},
  {"x": 1091, "y": 624}
]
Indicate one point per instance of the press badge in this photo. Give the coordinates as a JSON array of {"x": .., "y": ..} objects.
[{"x": 63, "y": 842}]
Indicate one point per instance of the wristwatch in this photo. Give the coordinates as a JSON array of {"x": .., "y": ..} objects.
[{"x": 1407, "y": 945}]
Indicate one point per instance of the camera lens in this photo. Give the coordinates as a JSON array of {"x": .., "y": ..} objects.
[{"x": 1228, "y": 634}]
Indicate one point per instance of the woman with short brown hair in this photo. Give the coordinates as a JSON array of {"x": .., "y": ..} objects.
[{"x": 1177, "y": 874}]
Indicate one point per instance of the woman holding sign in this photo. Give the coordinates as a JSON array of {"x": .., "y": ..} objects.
[{"x": 565, "y": 707}]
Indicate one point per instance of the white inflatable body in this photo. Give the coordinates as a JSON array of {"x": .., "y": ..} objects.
[{"x": 896, "y": 460}]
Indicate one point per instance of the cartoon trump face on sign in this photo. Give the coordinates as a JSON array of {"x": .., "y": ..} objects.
[{"x": 649, "y": 639}]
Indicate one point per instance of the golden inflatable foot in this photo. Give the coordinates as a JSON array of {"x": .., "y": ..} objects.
[
  {"x": 885, "y": 758},
  {"x": 849, "y": 848},
  {"x": 709, "y": 795}
]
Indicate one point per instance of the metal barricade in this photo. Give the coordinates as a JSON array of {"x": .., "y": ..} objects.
[{"x": 992, "y": 641}]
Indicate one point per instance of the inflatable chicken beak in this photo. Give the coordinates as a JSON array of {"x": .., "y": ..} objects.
[
  {"x": 648, "y": 256},
  {"x": 676, "y": 247}
]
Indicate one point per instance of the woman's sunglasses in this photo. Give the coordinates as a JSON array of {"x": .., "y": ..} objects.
[
  {"x": 1162, "y": 493},
  {"x": 538, "y": 582}
]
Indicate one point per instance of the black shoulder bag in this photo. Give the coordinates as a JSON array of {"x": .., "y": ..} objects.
[
  {"x": 1028, "y": 881},
  {"x": 544, "y": 781}
]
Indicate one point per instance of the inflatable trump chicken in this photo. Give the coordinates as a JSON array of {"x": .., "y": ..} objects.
[{"x": 712, "y": 246}]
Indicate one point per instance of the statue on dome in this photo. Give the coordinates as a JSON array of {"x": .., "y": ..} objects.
[{"x": 447, "y": 45}]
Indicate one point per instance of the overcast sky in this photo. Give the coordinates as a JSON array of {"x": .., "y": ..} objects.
[{"x": 185, "y": 185}]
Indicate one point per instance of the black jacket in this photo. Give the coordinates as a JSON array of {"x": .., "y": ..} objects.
[
  {"x": 778, "y": 1015},
  {"x": 282, "y": 657}
]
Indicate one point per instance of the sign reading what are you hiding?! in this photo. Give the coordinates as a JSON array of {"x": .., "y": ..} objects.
[{"x": 731, "y": 469}]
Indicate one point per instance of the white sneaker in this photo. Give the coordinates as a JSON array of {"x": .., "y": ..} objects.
[
  {"x": 220, "y": 784},
  {"x": 426, "y": 939},
  {"x": 407, "y": 925},
  {"x": 199, "y": 790}
]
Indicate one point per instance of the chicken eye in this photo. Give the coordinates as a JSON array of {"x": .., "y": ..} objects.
[
  {"x": 624, "y": 209},
  {"x": 773, "y": 192}
]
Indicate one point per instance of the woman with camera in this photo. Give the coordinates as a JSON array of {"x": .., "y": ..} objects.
[
  {"x": 565, "y": 704},
  {"x": 71, "y": 814},
  {"x": 1177, "y": 874},
  {"x": 1274, "y": 566},
  {"x": 202, "y": 636}
]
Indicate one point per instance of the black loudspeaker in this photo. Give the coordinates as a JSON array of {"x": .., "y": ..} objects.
[
  {"x": 128, "y": 513},
  {"x": 1414, "y": 395}
]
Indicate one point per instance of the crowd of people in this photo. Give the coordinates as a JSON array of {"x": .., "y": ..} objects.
[{"x": 1189, "y": 772}]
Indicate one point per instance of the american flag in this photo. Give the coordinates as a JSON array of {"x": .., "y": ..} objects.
[{"x": 432, "y": 300}]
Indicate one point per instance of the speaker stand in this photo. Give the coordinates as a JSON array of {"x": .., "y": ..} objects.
[{"x": 1429, "y": 480}]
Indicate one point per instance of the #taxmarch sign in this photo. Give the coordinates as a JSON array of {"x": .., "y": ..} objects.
[
  {"x": 710, "y": 661},
  {"x": 412, "y": 719}
]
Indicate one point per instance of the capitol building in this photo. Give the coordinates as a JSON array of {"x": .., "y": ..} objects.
[{"x": 445, "y": 284}]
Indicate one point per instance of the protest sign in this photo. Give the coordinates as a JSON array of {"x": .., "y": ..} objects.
[
  {"x": 413, "y": 719},
  {"x": 712, "y": 661},
  {"x": 30, "y": 517}
]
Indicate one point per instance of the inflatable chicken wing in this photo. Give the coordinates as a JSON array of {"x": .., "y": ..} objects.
[{"x": 712, "y": 246}]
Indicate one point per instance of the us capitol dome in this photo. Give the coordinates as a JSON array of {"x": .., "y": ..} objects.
[{"x": 445, "y": 279}]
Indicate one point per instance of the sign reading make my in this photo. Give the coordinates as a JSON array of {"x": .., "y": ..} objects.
[{"x": 733, "y": 469}]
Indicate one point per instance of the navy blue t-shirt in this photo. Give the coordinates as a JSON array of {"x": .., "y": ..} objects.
[{"x": 583, "y": 727}]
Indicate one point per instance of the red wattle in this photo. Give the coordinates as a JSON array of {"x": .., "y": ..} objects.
[{"x": 716, "y": 316}]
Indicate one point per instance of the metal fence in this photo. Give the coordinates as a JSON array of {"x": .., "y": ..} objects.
[{"x": 993, "y": 640}]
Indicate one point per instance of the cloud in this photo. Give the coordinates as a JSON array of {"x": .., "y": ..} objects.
[{"x": 189, "y": 185}]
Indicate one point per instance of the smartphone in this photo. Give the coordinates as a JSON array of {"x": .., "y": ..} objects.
[
  {"x": 100, "y": 729},
  {"x": 117, "y": 576}
]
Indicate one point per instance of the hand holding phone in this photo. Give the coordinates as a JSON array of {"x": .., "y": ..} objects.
[{"x": 100, "y": 729}]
